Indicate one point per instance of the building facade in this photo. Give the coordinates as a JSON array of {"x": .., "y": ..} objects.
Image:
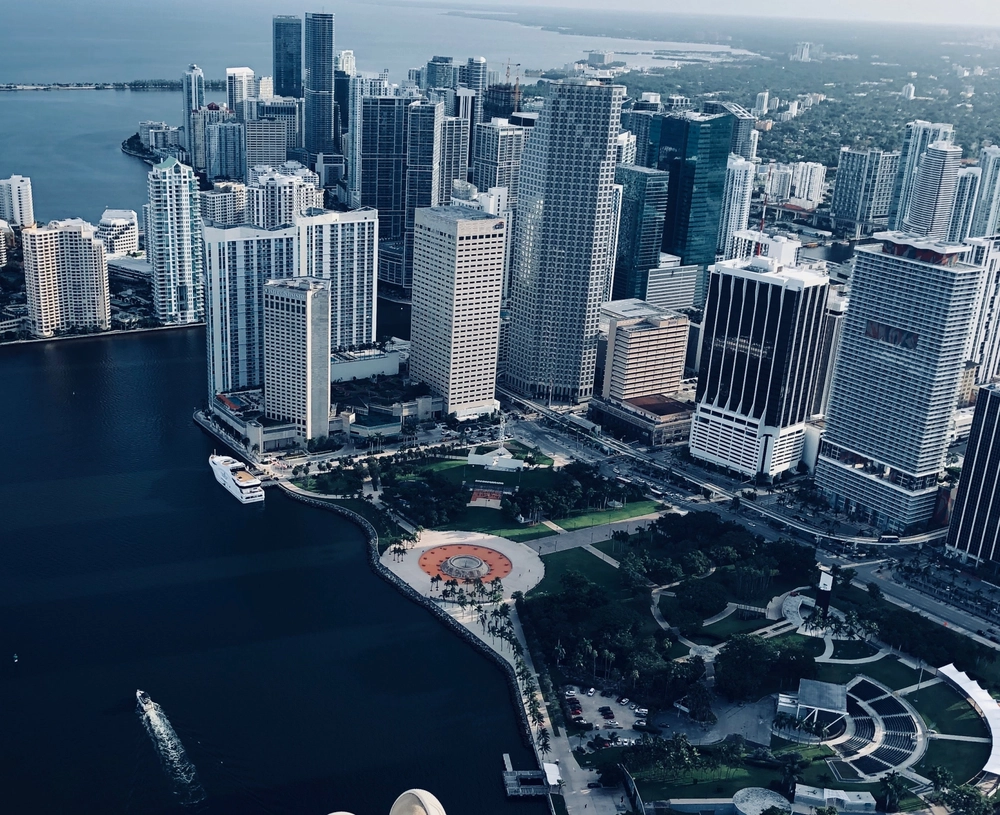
[
  {"x": 640, "y": 230},
  {"x": 297, "y": 354},
  {"x": 917, "y": 137},
  {"x": 562, "y": 241},
  {"x": 644, "y": 351},
  {"x": 496, "y": 160},
  {"x": 226, "y": 152},
  {"x": 66, "y": 278},
  {"x": 319, "y": 61},
  {"x": 896, "y": 379},
  {"x": 975, "y": 524},
  {"x": 932, "y": 196},
  {"x": 740, "y": 175},
  {"x": 172, "y": 221},
  {"x": 193, "y": 98},
  {"x": 266, "y": 145},
  {"x": 458, "y": 271},
  {"x": 986, "y": 220},
  {"x": 119, "y": 232},
  {"x": 862, "y": 191},
  {"x": 287, "y": 55},
  {"x": 16, "y": 204},
  {"x": 761, "y": 340}
]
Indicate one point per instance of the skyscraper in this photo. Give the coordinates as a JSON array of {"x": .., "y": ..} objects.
[
  {"x": 266, "y": 144},
  {"x": 475, "y": 77},
  {"x": 895, "y": 381},
  {"x": 66, "y": 278},
  {"x": 975, "y": 524},
  {"x": 380, "y": 170},
  {"x": 762, "y": 333},
  {"x": 863, "y": 189},
  {"x": 320, "y": 58},
  {"x": 984, "y": 338},
  {"x": 645, "y": 350},
  {"x": 497, "y": 156},
  {"x": 241, "y": 84},
  {"x": 359, "y": 86},
  {"x": 742, "y": 143},
  {"x": 694, "y": 149},
  {"x": 640, "y": 230},
  {"x": 201, "y": 120},
  {"x": 275, "y": 198},
  {"x": 740, "y": 175},
  {"x": 287, "y": 54},
  {"x": 964, "y": 209},
  {"x": 458, "y": 271},
  {"x": 119, "y": 232},
  {"x": 16, "y": 203},
  {"x": 193, "y": 98},
  {"x": 932, "y": 197},
  {"x": 297, "y": 354},
  {"x": 454, "y": 155},
  {"x": 562, "y": 240},
  {"x": 917, "y": 137},
  {"x": 440, "y": 72},
  {"x": 174, "y": 243},
  {"x": 986, "y": 220},
  {"x": 225, "y": 151}
]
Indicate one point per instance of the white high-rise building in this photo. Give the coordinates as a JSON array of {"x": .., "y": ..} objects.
[
  {"x": 201, "y": 121},
  {"x": 625, "y": 148},
  {"x": 265, "y": 88},
  {"x": 16, "y": 206},
  {"x": 346, "y": 63},
  {"x": 119, "y": 232},
  {"x": 458, "y": 271},
  {"x": 340, "y": 248},
  {"x": 735, "y": 203},
  {"x": 562, "y": 240},
  {"x": 276, "y": 197},
  {"x": 361, "y": 87},
  {"x": 808, "y": 178},
  {"x": 224, "y": 205},
  {"x": 297, "y": 354},
  {"x": 645, "y": 349},
  {"x": 984, "y": 338},
  {"x": 173, "y": 243},
  {"x": 896, "y": 379},
  {"x": 761, "y": 338},
  {"x": 497, "y": 154},
  {"x": 986, "y": 220},
  {"x": 917, "y": 137},
  {"x": 932, "y": 199},
  {"x": 193, "y": 93},
  {"x": 266, "y": 144},
  {"x": 241, "y": 84},
  {"x": 760, "y": 107},
  {"x": 909, "y": 91},
  {"x": 964, "y": 209},
  {"x": 66, "y": 278}
]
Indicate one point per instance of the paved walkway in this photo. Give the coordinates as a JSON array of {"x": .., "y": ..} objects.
[
  {"x": 599, "y": 554},
  {"x": 729, "y": 609},
  {"x": 926, "y": 683},
  {"x": 827, "y": 655},
  {"x": 576, "y": 538},
  {"x": 971, "y": 739},
  {"x": 554, "y": 527}
]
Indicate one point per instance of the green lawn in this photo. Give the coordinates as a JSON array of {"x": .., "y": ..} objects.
[
  {"x": 595, "y": 570},
  {"x": 853, "y": 649},
  {"x": 493, "y": 522},
  {"x": 585, "y": 520},
  {"x": 887, "y": 670},
  {"x": 811, "y": 645},
  {"x": 522, "y": 451},
  {"x": 945, "y": 711},
  {"x": 460, "y": 471},
  {"x": 964, "y": 759},
  {"x": 732, "y": 624}
]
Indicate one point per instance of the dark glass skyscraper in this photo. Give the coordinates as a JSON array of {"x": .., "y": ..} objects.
[
  {"x": 694, "y": 149},
  {"x": 287, "y": 51},
  {"x": 640, "y": 231},
  {"x": 320, "y": 58}
]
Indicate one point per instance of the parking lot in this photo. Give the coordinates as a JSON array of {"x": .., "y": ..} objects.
[{"x": 619, "y": 714}]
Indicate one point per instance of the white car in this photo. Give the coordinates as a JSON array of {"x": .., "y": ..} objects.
[
  {"x": 641, "y": 711},
  {"x": 592, "y": 691}
]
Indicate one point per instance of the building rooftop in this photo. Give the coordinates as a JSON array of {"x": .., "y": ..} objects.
[
  {"x": 457, "y": 214},
  {"x": 659, "y": 405},
  {"x": 633, "y": 309}
]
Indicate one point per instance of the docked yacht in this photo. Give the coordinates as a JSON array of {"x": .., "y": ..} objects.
[
  {"x": 233, "y": 475},
  {"x": 145, "y": 703}
]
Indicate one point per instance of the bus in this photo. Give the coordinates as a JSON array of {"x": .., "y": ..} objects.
[{"x": 888, "y": 538}]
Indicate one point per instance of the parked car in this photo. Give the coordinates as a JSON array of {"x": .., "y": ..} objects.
[
  {"x": 603, "y": 708},
  {"x": 624, "y": 701},
  {"x": 640, "y": 723},
  {"x": 641, "y": 711},
  {"x": 592, "y": 691},
  {"x": 594, "y": 785}
]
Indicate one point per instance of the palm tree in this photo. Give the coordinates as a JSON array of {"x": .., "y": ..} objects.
[{"x": 892, "y": 787}]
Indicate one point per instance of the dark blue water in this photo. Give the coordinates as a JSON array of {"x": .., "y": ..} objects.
[{"x": 297, "y": 680}]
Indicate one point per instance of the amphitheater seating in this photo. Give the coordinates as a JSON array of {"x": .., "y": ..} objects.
[
  {"x": 889, "y": 706},
  {"x": 866, "y": 691},
  {"x": 891, "y": 756},
  {"x": 899, "y": 724},
  {"x": 869, "y": 765},
  {"x": 899, "y": 741}
]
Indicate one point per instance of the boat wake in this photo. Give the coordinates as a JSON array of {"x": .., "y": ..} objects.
[{"x": 176, "y": 764}]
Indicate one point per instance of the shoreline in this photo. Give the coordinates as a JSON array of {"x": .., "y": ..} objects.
[{"x": 99, "y": 334}]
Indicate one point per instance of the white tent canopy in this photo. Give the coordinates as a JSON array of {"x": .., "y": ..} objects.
[{"x": 985, "y": 704}]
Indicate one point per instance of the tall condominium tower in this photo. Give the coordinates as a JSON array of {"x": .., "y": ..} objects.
[
  {"x": 174, "y": 244},
  {"x": 740, "y": 175},
  {"x": 808, "y": 178},
  {"x": 277, "y": 197},
  {"x": 454, "y": 155},
  {"x": 380, "y": 171},
  {"x": 267, "y": 141},
  {"x": 241, "y": 85},
  {"x": 424, "y": 123},
  {"x": 645, "y": 125},
  {"x": 986, "y": 220},
  {"x": 743, "y": 144},
  {"x": 761, "y": 339},
  {"x": 863, "y": 189},
  {"x": 226, "y": 151},
  {"x": 193, "y": 98},
  {"x": 320, "y": 56},
  {"x": 932, "y": 196},
  {"x": 16, "y": 204},
  {"x": 496, "y": 157},
  {"x": 201, "y": 121},
  {"x": 458, "y": 271},
  {"x": 975, "y": 524},
  {"x": 895, "y": 382},
  {"x": 640, "y": 230},
  {"x": 964, "y": 209},
  {"x": 297, "y": 354},
  {"x": 224, "y": 205},
  {"x": 917, "y": 137},
  {"x": 475, "y": 77},
  {"x": 440, "y": 72},
  {"x": 340, "y": 248},
  {"x": 287, "y": 55},
  {"x": 694, "y": 149},
  {"x": 562, "y": 241},
  {"x": 359, "y": 87},
  {"x": 66, "y": 278},
  {"x": 984, "y": 338},
  {"x": 119, "y": 232}
]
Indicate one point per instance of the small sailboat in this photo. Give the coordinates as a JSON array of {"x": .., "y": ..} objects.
[{"x": 15, "y": 657}]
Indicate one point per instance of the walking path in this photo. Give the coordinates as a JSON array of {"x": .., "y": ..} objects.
[
  {"x": 934, "y": 680},
  {"x": 575, "y": 538},
  {"x": 599, "y": 554},
  {"x": 827, "y": 655},
  {"x": 972, "y": 739},
  {"x": 554, "y": 527}
]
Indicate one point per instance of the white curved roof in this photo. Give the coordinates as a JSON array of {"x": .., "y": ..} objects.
[
  {"x": 988, "y": 708},
  {"x": 417, "y": 802}
]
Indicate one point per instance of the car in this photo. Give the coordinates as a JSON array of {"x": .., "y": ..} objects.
[
  {"x": 980, "y": 632},
  {"x": 641, "y": 711},
  {"x": 594, "y": 785},
  {"x": 604, "y": 709},
  {"x": 633, "y": 706},
  {"x": 609, "y": 715},
  {"x": 612, "y": 725},
  {"x": 624, "y": 701},
  {"x": 640, "y": 723},
  {"x": 592, "y": 691},
  {"x": 620, "y": 700},
  {"x": 751, "y": 523},
  {"x": 570, "y": 692}
]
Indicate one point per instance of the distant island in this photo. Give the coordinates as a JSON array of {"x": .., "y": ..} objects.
[{"x": 133, "y": 85}]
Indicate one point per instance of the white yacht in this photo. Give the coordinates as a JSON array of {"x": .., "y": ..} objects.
[{"x": 233, "y": 475}]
